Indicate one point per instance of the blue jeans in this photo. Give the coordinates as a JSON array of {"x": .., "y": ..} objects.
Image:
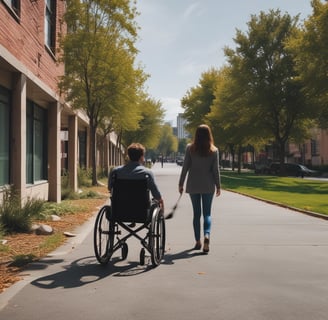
[{"x": 201, "y": 201}]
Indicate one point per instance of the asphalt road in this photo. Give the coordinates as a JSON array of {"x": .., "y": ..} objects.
[{"x": 265, "y": 262}]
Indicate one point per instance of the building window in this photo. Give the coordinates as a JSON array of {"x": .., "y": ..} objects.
[
  {"x": 50, "y": 24},
  {"x": 4, "y": 136},
  {"x": 83, "y": 149},
  {"x": 314, "y": 148},
  {"x": 13, "y": 6},
  {"x": 36, "y": 141}
]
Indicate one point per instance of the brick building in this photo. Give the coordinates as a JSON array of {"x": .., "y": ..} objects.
[{"x": 40, "y": 135}]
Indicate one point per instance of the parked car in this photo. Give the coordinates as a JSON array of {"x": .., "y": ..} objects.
[
  {"x": 179, "y": 161},
  {"x": 274, "y": 168},
  {"x": 262, "y": 168},
  {"x": 291, "y": 169}
]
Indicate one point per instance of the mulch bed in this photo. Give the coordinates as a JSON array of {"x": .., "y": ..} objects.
[{"x": 31, "y": 244}]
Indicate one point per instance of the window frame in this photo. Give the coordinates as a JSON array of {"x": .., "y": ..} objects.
[
  {"x": 36, "y": 149},
  {"x": 7, "y": 103},
  {"x": 50, "y": 25},
  {"x": 13, "y": 7}
]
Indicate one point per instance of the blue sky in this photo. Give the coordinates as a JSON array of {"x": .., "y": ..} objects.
[{"x": 181, "y": 39}]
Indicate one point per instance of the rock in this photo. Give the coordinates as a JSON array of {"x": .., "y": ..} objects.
[
  {"x": 34, "y": 227},
  {"x": 54, "y": 217},
  {"x": 69, "y": 234},
  {"x": 44, "y": 229}
]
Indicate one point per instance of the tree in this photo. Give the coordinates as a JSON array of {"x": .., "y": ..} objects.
[
  {"x": 168, "y": 143},
  {"x": 149, "y": 126},
  {"x": 228, "y": 118},
  {"x": 262, "y": 70},
  {"x": 182, "y": 145},
  {"x": 310, "y": 48},
  {"x": 99, "y": 54},
  {"x": 198, "y": 100}
]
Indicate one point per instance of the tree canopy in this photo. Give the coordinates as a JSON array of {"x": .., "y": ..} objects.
[
  {"x": 198, "y": 100},
  {"x": 149, "y": 127},
  {"x": 310, "y": 47},
  {"x": 261, "y": 94},
  {"x": 100, "y": 73}
]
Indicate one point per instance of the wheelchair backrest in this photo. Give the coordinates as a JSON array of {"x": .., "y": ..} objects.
[{"x": 130, "y": 200}]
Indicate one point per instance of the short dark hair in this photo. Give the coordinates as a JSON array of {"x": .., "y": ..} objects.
[{"x": 136, "y": 151}]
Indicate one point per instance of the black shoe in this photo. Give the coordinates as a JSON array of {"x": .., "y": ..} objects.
[
  {"x": 206, "y": 247},
  {"x": 197, "y": 246}
]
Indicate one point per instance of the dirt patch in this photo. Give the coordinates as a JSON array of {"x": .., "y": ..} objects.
[{"x": 31, "y": 246}]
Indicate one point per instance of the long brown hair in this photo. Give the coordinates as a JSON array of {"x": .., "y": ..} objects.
[{"x": 203, "y": 143}]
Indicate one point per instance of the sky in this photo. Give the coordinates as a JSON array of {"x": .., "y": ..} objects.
[{"x": 181, "y": 39}]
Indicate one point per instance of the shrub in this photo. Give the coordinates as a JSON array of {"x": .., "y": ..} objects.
[
  {"x": 59, "y": 209},
  {"x": 68, "y": 193},
  {"x": 89, "y": 194},
  {"x": 15, "y": 217},
  {"x": 22, "y": 260},
  {"x": 84, "y": 177}
]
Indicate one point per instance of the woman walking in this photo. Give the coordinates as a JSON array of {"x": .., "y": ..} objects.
[{"x": 201, "y": 162}]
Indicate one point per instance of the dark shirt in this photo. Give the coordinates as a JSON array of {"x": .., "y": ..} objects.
[{"x": 135, "y": 170}]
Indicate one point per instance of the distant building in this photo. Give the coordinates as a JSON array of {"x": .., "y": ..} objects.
[
  {"x": 175, "y": 131},
  {"x": 181, "y": 122}
]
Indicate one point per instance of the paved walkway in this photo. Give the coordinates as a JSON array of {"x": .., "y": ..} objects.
[{"x": 265, "y": 262}]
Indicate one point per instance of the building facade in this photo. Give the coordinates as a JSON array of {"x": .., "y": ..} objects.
[
  {"x": 40, "y": 135},
  {"x": 181, "y": 122}
]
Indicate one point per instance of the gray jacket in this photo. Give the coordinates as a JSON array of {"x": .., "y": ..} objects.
[{"x": 203, "y": 172}]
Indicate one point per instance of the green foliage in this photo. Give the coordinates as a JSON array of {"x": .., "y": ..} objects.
[
  {"x": 84, "y": 177},
  {"x": 300, "y": 193},
  {"x": 149, "y": 126},
  {"x": 52, "y": 242},
  {"x": 90, "y": 194},
  {"x": 182, "y": 144},
  {"x": 69, "y": 194},
  {"x": 59, "y": 209},
  {"x": 100, "y": 73},
  {"x": 22, "y": 260},
  {"x": 261, "y": 95},
  {"x": 66, "y": 191},
  {"x": 168, "y": 143},
  {"x": 64, "y": 179},
  {"x": 310, "y": 48},
  {"x": 198, "y": 100},
  {"x": 17, "y": 217}
]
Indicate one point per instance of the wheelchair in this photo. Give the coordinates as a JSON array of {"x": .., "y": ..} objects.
[{"x": 132, "y": 212}]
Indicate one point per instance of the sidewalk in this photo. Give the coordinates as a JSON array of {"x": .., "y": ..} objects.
[{"x": 265, "y": 262}]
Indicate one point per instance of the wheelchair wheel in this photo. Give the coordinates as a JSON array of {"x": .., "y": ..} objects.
[
  {"x": 124, "y": 250},
  {"x": 103, "y": 236},
  {"x": 142, "y": 256},
  {"x": 157, "y": 237}
]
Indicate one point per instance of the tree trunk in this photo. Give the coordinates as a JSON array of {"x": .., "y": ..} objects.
[
  {"x": 282, "y": 157},
  {"x": 93, "y": 148},
  {"x": 239, "y": 159}
]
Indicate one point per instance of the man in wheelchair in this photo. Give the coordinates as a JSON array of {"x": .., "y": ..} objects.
[
  {"x": 135, "y": 170},
  {"x": 130, "y": 187}
]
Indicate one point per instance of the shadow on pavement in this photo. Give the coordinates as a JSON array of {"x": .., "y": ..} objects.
[
  {"x": 88, "y": 270},
  {"x": 186, "y": 254}
]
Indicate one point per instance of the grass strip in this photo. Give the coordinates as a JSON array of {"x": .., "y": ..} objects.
[{"x": 304, "y": 194}]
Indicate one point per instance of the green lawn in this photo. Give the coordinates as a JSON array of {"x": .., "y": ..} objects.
[{"x": 311, "y": 195}]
